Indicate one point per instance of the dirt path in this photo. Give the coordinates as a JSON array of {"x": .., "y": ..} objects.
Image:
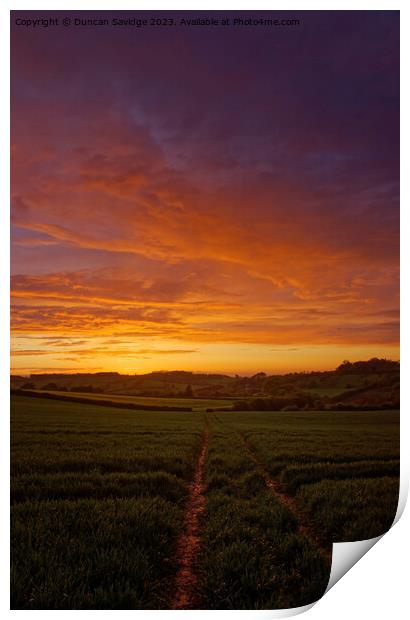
[
  {"x": 189, "y": 542},
  {"x": 306, "y": 527}
]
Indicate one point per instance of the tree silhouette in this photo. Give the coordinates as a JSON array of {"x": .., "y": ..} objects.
[{"x": 188, "y": 392}]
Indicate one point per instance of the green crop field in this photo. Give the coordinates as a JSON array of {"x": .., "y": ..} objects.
[
  {"x": 197, "y": 404},
  {"x": 108, "y": 504}
]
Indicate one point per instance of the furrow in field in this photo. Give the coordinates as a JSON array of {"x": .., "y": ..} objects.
[
  {"x": 306, "y": 527},
  {"x": 189, "y": 542}
]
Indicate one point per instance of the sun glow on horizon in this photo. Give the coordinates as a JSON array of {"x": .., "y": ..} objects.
[{"x": 231, "y": 359}]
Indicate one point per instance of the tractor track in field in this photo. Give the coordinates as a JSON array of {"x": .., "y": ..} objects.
[
  {"x": 306, "y": 527},
  {"x": 189, "y": 543},
  {"x": 305, "y": 524}
]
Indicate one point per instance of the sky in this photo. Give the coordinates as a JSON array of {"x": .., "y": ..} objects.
[{"x": 217, "y": 199}]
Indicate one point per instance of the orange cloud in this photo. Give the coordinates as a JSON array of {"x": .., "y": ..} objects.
[{"x": 115, "y": 238}]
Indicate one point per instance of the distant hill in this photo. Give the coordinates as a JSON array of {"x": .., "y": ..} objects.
[
  {"x": 371, "y": 382},
  {"x": 173, "y": 383}
]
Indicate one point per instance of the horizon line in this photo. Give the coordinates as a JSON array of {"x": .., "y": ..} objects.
[{"x": 192, "y": 372}]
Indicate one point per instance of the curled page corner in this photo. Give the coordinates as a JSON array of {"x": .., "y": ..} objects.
[
  {"x": 346, "y": 554},
  {"x": 403, "y": 494}
]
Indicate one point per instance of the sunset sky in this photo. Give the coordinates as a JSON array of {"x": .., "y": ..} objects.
[{"x": 209, "y": 199}]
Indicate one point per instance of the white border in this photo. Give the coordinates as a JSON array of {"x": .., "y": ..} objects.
[{"x": 388, "y": 562}]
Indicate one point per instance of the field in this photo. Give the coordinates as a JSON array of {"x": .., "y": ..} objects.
[
  {"x": 197, "y": 404},
  {"x": 118, "y": 509}
]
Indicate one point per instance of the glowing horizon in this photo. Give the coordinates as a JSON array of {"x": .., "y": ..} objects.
[{"x": 184, "y": 212}]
